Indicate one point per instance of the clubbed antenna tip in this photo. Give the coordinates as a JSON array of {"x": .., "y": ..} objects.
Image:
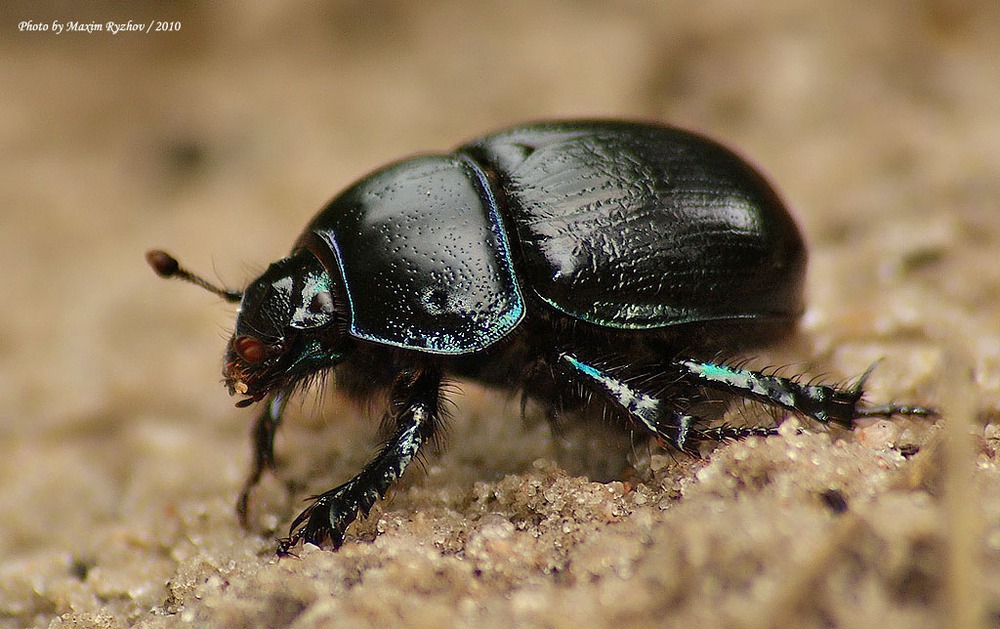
[
  {"x": 162, "y": 262},
  {"x": 166, "y": 265}
]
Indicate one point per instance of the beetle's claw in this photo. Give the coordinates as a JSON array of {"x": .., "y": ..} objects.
[{"x": 285, "y": 545}]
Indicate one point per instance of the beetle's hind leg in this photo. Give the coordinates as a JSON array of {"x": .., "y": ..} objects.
[
  {"x": 416, "y": 401},
  {"x": 824, "y": 403}
]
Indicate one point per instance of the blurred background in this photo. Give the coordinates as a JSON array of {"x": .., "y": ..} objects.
[{"x": 219, "y": 137}]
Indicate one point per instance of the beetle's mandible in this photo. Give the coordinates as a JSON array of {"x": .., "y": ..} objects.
[{"x": 579, "y": 262}]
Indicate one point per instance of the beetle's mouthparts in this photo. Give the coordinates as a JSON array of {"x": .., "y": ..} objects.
[
  {"x": 240, "y": 387},
  {"x": 247, "y": 401}
]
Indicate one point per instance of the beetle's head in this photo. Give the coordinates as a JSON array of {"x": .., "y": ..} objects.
[{"x": 287, "y": 329}]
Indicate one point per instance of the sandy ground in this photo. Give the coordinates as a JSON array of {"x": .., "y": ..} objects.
[{"x": 121, "y": 455}]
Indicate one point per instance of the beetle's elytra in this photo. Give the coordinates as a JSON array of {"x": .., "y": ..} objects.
[{"x": 578, "y": 262}]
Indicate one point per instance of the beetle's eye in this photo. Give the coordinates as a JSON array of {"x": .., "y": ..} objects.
[{"x": 249, "y": 349}]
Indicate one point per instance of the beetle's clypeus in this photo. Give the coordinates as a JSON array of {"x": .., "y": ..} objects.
[{"x": 580, "y": 262}]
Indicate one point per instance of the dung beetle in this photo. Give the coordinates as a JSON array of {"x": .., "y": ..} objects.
[{"x": 581, "y": 263}]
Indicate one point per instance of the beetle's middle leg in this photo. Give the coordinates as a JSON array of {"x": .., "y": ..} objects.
[
  {"x": 657, "y": 414},
  {"x": 415, "y": 404}
]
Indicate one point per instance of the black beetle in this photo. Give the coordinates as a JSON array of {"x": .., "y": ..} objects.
[{"x": 574, "y": 261}]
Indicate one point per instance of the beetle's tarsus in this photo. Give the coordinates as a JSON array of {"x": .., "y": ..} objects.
[
  {"x": 726, "y": 432},
  {"x": 895, "y": 410}
]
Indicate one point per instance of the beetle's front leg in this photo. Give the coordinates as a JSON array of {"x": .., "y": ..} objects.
[
  {"x": 262, "y": 438},
  {"x": 415, "y": 398}
]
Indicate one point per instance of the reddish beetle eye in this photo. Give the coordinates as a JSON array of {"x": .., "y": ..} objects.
[{"x": 249, "y": 349}]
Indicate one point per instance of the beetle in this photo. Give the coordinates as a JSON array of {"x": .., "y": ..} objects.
[{"x": 578, "y": 262}]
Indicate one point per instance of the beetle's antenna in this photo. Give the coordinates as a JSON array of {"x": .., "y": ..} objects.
[{"x": 166, "y": 265}]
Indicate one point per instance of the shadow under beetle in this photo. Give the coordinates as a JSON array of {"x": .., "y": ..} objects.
[{"x": 580, "y": 262}]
